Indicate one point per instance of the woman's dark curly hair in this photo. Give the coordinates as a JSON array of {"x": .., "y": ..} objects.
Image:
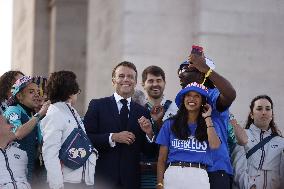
[
  {"x": 180, "y": 125},
  {"x": 272, "y": 124},
  {"x": 6, "y": 82},
  {"x": 61, "y": 85}
]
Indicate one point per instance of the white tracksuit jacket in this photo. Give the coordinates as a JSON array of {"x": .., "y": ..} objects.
[
  {"x": 13, "y": 167},
  {"x": 56, "y": 127},
  {"x": 264, "y": 168}
]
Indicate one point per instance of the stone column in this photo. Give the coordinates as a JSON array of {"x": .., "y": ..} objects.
[
  {"x": 68, "y": 40},
  {"x": 105, "y": 46},
  {"x": 23, "y": 36}
]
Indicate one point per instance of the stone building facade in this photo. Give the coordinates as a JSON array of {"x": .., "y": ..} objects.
[{"x": 89, "y": 37}]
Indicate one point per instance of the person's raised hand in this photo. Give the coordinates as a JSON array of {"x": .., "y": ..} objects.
[
  {"x": 198, "y": 62},
  {"x": 44, "y": 108},
  {"x": 146, "y": 126},
  {"x": 206, "y": 110},
  {"x": 157, "y": 112}
]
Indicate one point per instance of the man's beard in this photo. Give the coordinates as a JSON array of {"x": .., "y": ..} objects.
[{"x": 155, "y": 95}]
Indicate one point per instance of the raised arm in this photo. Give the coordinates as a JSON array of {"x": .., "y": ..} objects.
[
  {"x": 22, "y": 130},
  {"x": 213, "y": 139},
  {"x": 240, "y": 132},
  {"x": 227, "y": 92}
]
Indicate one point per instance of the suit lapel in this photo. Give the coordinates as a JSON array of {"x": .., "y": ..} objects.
[
  {"x": 132, "y": 118},
  {"x": 114, "y": 112}
]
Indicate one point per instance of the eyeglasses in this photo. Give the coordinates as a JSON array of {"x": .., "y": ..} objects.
[{"x": 183, "y": 68}]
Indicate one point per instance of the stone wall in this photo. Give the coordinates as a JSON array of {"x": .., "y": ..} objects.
[
  {"x": 246, "y": 41},
  {"x": 244, "y": 38}
]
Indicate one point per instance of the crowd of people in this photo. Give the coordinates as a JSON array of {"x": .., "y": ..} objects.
[{"x": 137, "y": 139}]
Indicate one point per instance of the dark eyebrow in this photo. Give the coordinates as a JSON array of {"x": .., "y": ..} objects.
[{"x": 259, "y": 107}]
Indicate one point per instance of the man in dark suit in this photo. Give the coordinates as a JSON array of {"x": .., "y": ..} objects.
[{"x": 120, "y": 130}]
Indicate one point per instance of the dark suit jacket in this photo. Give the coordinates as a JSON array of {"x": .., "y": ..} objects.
[{"x": 119, "y": 164}]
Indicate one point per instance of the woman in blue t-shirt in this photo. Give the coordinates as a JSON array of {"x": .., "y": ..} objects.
[{"x": 186, "y": 141}]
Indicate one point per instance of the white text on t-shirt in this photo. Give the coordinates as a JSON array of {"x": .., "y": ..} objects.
[{"x": 192, "y": 144}]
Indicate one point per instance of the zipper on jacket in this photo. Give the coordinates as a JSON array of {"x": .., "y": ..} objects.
[
  {"x": 265, "y": 179},
  {"x": 262, "y": 151},
  {"x": 83, "y": 173},
  {"x": 9, "y": 169}
]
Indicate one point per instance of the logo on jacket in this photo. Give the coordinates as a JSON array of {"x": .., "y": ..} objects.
[
  {"x": 74, "y": 153},
  {"x": 13, "y": 116},
  {"x": 17, "y": 156}
]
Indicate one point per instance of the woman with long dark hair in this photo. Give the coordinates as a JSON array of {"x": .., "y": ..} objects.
[
  {"x": 264, "y": 167},
  {"x": 186, "y": 142},
  {"x": 269, "y": 124}
]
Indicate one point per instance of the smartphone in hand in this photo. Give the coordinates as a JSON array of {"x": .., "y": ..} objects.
[
  {"x": 205, "y": 108},
  {"x": 197, "y": 50}
]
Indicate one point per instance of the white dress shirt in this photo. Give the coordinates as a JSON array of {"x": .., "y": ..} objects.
[{"x": 119, "y": 104}]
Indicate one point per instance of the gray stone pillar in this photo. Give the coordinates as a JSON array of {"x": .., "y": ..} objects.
[
  {"x": 50, "y": 36},
  {"x": 68, "y": 40},
  {"x": 31, "y": 37},
  {"x": 23, "y": 36},
  {"x": 41, "y": 38},
  {"x": 105, "y": 46}
]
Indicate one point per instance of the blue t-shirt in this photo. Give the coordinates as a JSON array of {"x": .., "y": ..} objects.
[
  {"x": 221, "y": 157},
  {"x": 190, "y": 150}
]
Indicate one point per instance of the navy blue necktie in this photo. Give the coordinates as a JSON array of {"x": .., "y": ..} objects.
[{"x": 124, "y": 114}]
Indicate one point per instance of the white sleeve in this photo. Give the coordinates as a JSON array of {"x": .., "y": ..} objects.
[
  {"x": 239, "y": 162},
  {"x": 172, "y": 110},
  {"x": 282, "y": 169},
  {"x": 52, "y": 129},
  {"x": 150, "y": 140},
  {"x": 111, "y": 143}
]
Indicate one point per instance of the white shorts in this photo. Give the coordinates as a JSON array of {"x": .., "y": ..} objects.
[{"x": 177, "y": 177}]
